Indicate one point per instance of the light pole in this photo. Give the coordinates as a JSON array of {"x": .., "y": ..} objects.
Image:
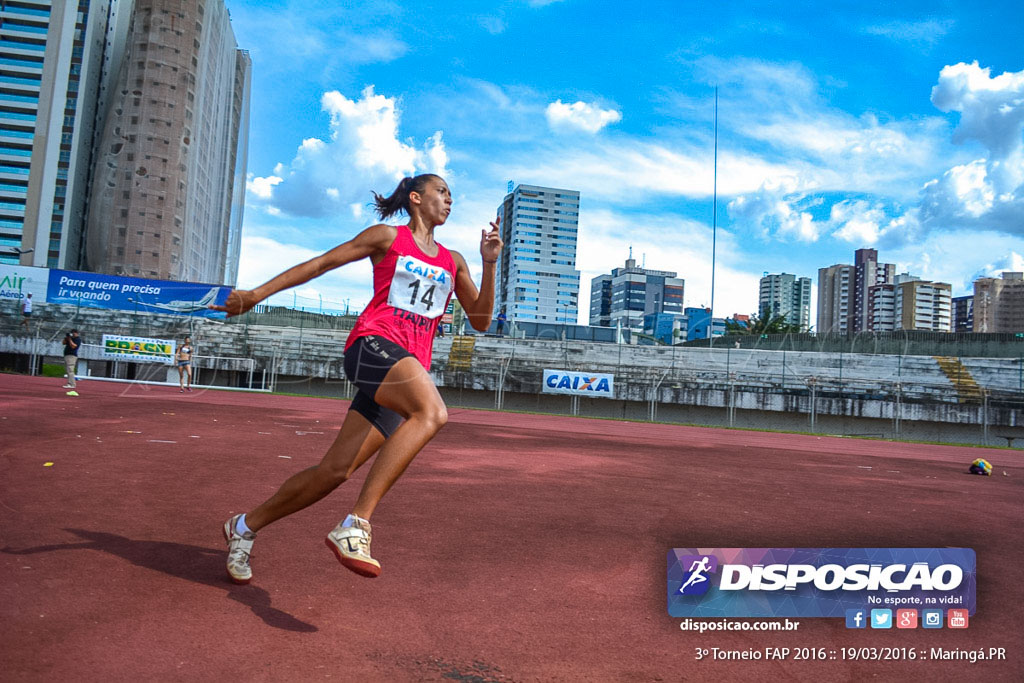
[{"x": 714, "y": 231}]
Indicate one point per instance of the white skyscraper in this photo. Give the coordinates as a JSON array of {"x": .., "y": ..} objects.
[
  {"x": 788, "y": 295},
  {"x": 537, "y": 276},
  {"x": 52, "y": 66},
  {"x": 165, "y": 200}
]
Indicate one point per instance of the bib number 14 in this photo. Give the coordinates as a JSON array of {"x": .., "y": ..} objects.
[{"x": 419, "y": 287}]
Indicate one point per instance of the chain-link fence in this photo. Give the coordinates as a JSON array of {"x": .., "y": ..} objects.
[
  {"x": 885, "y": 396},
  {"x": 940, "y": 397}
]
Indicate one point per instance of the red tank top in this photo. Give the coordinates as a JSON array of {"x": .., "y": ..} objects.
[{"x": 410, "y": 292}]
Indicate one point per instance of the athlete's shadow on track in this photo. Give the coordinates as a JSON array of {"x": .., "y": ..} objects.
[{"x": 189, "y": 562}]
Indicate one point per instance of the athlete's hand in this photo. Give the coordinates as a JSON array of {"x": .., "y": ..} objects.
[
  {"x": 490, "y": 242},
  {"x": 239, "y": 301}
]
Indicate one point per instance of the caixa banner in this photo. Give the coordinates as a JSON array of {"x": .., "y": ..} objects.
[
  {"x": 138, "y": 349},
  {"x": 593, "y": 384},
  {"x": 817, "y": 582}
]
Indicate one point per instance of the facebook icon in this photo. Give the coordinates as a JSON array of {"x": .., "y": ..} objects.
[{"x": 856, "y": 618}]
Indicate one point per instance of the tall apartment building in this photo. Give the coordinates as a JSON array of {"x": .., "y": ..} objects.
[
  {"x": 788, "y": 295},
  {"x": 54, "y": 63},
  {"x": 123, "y": 136},
  {"x": 537, "y": 276},
  {"x": 835, "y": 284},
  {"x": 844, "y": 293},
  {"x": 630, "y": 293},
  {"x": 910, "y": 303},
  {"x": 924, "y": 305},
  {"x": 999, "y": 303},
  {"x": 165, "y": 201},
  {"x": 867, "y": 273},
  {"x": 963, "y": 313}
]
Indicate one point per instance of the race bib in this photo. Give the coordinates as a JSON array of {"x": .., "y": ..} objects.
[{"x": 419, "y": 287}]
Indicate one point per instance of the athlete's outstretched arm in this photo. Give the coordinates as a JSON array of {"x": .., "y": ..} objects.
[
  {"x": 479, "y": 304},
  {"x": 374, "y": 242}
]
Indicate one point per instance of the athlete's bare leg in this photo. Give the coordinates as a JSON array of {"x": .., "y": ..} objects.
[
  {"x": 408, "y": 390},
  {"x": 356, "y": 442}
]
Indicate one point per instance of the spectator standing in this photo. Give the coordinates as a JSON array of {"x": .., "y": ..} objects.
[
  {"x": 184, "y": 362},
  {"x": 26, "y": 310},
  {"x": 72, "y": 342}
]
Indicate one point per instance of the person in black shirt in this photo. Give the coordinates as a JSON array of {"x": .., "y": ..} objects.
[{"x": 72, "y": 342}]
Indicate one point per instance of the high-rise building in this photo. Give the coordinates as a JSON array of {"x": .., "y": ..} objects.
[
  {"x": 868, "y": 272},
  {"x": 123, "y": 136},
  {"x": 999, "y": 303},
  {"x": 164, "y": 201},
  {"x": 882, "y": 304},
  {"x": 923, "y": 305},
  {"x": 910, "y": 303},
  {"x": 834, "y": 300},
  {"x": 537, "y": 276},
  {"x": 963, "y": 313},
  {"x": 54, "y": 62},
  {"x": 630, "y": 293},
  {"x": 788, "y": 295}
]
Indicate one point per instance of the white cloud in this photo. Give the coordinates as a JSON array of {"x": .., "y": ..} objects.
[
  {"x": 580, "y": 116},
  {"x": 863, "y": 156},
  {"x": 991, "y": 109},
  {"x": 262, "y": 258},
  {"x": 926, "y": 32},
  {"x": 376, "y": 47},
  {"x": 493, "y": 25},
  {"x": 1012, "y": 262},
  {"x": 986, "y": 192},
  {"x": 664, "y": 241},
  {"x": 631, "y": 170},
  {"x": 858, "y": 222},
  {"x": 775, "y": 210},
  {"x": 959, "y": 257},
  {"x": 262, "y": 187},
  {"x": 363, "y": 153}
]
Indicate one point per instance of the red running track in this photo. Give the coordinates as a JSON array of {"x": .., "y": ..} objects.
[{"x": 516, "y": 547}]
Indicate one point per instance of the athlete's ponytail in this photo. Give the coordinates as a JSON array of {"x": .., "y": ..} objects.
[{"x": 399, "y": 199}]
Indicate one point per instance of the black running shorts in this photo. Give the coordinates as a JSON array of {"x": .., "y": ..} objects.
[{"x": 367, "y": 363}]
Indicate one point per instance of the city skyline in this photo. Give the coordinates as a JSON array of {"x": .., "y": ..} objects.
[{"x": 913, "y": 149}]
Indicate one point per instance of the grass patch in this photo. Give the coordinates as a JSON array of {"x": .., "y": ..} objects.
[{"x": 53, "y": 370}]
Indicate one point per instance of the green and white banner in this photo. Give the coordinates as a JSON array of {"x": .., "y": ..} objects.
[
  {"x": 17, "y": 281},
  {"x": 138, "y": 349}
]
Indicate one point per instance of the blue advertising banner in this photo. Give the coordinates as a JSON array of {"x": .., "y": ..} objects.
[
  {"x": 135, "y": 294},
  {"x": 818, "y": 582},
  {"x": 593, "y": 384}
]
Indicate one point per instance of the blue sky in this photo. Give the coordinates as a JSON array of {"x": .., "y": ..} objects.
[{"x": 896, "y": 126}]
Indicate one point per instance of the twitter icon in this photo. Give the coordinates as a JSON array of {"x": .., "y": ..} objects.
[{"x": 881, "y": 618}]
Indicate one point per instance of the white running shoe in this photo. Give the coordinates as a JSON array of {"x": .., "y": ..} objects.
[
  {"x": 239, "y": 548},
  {"x": 351, "y": 545}
]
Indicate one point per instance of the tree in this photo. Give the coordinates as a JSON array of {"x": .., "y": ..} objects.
[{"x": 766, "y": 323}]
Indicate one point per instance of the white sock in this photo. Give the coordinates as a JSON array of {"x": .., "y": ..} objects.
[
  {"x": 350, "y": 521},
  {"x": 240, "y": 526}
]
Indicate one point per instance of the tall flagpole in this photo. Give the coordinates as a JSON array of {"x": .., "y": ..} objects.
[{"x": 714, "y": 232}]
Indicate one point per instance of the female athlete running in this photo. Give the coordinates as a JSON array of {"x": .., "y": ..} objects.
[{"x": 397, "y": 409}]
